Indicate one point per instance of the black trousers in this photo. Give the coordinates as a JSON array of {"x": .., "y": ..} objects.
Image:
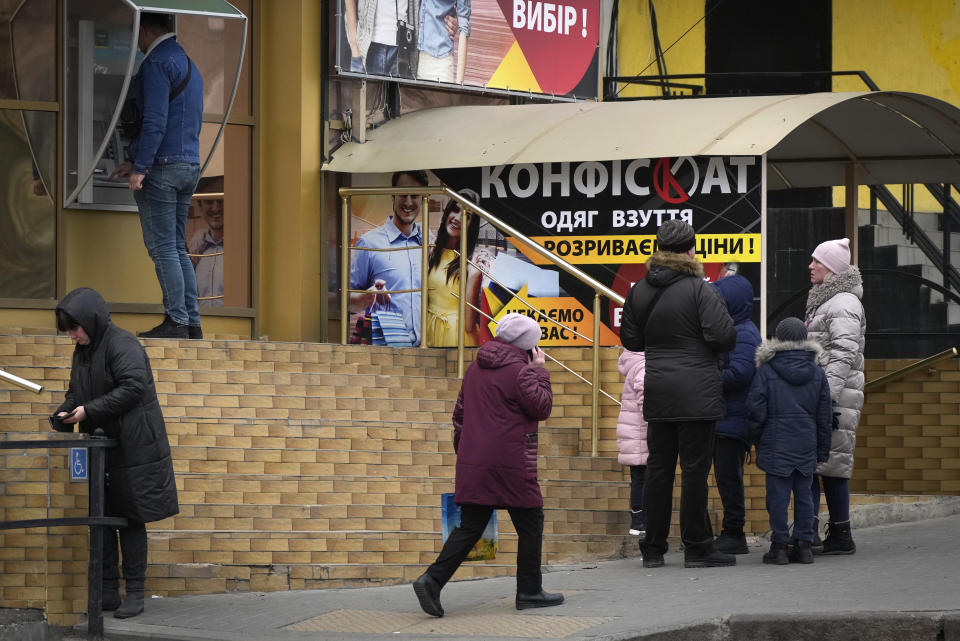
[
  {"x": 692, "y": 443},
  {"x": 133, "y": 543},
  {"x": 728, "y": 457},
  {"x": 473, "y": 520},
  {"x": 637, "y": 475}
]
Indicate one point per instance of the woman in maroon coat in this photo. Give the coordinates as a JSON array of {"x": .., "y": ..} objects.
[{"x": 505, "y": 392}]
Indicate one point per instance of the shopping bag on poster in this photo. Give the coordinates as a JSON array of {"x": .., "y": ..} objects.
[
  {"x": 390, "y": 327},
  {"x": 486, "y": 548}
]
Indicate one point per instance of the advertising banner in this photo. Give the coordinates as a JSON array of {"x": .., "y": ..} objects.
[
  {"x": 515, "y": 46},
  {"x": 603, "y": 218}
]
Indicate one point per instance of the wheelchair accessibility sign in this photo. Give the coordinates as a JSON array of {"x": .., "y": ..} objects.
[{"x": 78, "y": 464}]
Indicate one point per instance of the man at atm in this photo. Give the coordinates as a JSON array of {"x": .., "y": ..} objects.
[{"x": 165, "y": 147}]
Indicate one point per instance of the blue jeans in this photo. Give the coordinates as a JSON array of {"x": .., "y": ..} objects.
[
  {"x": 164, "y": 203},
  {"x": 381, "y": 60},
  {"x": 779, "y": 489}
]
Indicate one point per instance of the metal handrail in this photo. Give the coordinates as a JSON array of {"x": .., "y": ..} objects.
[
  {"x": 902, "y": 372},
  {"x": 97, "y": 445},
  {"x": 599, "y": 288},
  {"x": 20, "y": 382}
]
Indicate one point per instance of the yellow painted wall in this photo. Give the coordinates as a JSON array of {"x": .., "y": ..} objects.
[
  {"x": 904, "y": 45},
  {"x": 104, "y": 250},
  {"x": 290, "y": 159},
  {"x": 683, "y": 54}
]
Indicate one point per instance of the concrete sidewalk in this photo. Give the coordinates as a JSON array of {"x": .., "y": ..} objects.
[{"x": 903, "y": 583}]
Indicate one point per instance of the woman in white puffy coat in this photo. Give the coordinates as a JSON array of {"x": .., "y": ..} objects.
[
  {"x": 632, "y": 433},
  {"x": 836, "y": 320}
]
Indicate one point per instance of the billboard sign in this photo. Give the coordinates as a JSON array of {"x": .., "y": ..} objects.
[{"x": 509, "y": 46}]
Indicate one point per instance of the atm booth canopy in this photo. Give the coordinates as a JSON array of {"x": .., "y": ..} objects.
[{"x": 100, "y": 58}]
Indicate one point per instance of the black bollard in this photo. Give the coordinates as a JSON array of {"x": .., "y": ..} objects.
[{"x": 95, "y": 479}]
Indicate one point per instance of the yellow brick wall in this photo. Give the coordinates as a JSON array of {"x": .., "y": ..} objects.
[{"x": 309, "y": 466}]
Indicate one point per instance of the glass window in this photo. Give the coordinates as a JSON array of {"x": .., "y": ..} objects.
[
  {"x": 28, "y": 217},
  {"x": 28, "y": 34}
]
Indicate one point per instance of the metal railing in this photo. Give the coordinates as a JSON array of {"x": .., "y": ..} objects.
[
  {"x": 466, "y": 204},
  {"x": 904, "y": 371},
  {"x": 20, "y": 382},
  {"x": 96, "y": 445}
]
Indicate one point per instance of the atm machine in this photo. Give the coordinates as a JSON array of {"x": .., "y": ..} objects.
[{"x": 100, "y": 60}]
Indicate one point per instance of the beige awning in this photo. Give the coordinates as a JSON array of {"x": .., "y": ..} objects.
[{"x": 894, "y": 137}]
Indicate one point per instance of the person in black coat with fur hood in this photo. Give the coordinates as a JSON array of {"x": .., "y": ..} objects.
[
  {"x": 111, "y": 387},
  {"x": 789, "y": 403},
  {"x": 682, "y": 324}
]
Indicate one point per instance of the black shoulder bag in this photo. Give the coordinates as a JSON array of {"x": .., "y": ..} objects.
[
  {"x": 408, "y": 55},
  {"x": 131, "y": 118}
]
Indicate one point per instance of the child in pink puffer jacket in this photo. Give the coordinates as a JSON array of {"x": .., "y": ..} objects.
[{"x": 632, "y": 433}]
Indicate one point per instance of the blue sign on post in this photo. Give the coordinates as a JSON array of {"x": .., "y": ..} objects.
[{"x": 78, "y": 464}]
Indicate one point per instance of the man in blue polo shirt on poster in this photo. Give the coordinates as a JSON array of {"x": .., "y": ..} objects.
[{"x": 393, "y": 270}]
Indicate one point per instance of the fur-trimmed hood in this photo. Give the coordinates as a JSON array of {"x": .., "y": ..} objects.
[
  {"x": 849, "y": 281},
  {"x": 769, "y": 348},
  {"x": 794, "y": 361},
  {"x": 666, "y": 267}
]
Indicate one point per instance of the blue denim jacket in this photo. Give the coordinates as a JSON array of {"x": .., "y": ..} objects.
[
  {"x": 171, "y": 128},
  {"x": 434, "y": 37}
]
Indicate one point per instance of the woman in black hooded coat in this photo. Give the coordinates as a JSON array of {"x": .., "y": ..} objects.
[{"x": 111, "y": 387}]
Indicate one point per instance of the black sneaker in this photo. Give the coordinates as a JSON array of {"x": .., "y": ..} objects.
[
  {"x": 637, "y": 526},
  {"x": 194, "y": 332},
  {"x": 715, "y": 559},
  {"x": 653, "y": 560},
  {"x": 732, "y": 542},
  {"x": 169, "y": 328},
  {"x": 428, "y": 594}
]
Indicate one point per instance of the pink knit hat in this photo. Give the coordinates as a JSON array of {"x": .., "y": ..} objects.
[
  {"x": 834, "y": 255},
  {"x": 519, "y": 330}
]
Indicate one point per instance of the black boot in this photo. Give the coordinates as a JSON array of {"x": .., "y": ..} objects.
[
  {"x": 169, "y": 328},
  {"x": 195, "y": 331},
  {"x": 132, "y": 605},
  {"x": 110, "y": 598},
  {"x": 732, "y": 542},
  {"x": 428, "y": 594},
  {"x": 539, "y": 600},
  {"x": 800, "y": 552},
  {"x": 817, "y": 546},
  {"x": 707, "y": 556},
  {"x": 839, "y": 539},
  {"x": 777, "y": 554}
]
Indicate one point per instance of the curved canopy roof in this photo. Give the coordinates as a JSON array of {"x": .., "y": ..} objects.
[{"x": 809, "y": 139}]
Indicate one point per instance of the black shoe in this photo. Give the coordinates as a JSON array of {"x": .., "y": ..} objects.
[
  {"x": 839, "y": 540},
  {"x": 637, "y": 526},
  {"x": 539, "y": 600},
  {"x": 194, "y": 331},
  {"x": 428, "y": 593},
  {"x": 169, "y": 328},
  {"x": 132, "y": 606},
  {"x": 777, "y": 554},
  {"x": 653, "y": 560},
  {"x": 732, "y": 542},
  {"x": 800, "y": 552},
  {"x": 110, "y": 599},
  {"x": 715, "y": 559}
]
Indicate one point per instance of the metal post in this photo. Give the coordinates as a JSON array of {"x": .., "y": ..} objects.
[
  {"x": 946, "y": 236},
  {"x": 424, "y": 266},
  {"x": 595, "y": 389},
  {"x": 95, "y": 480},
  {"x": 344, "y": 268},
  {"x": 462, "y": 303}
]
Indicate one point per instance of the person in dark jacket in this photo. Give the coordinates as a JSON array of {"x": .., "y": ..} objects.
[
  {"x": 789, "y": 401},
  {"x": 111, "y": 388},
  {"x": 682, "y": 324},
  {"x": 505, "y": 392},
  {"x": 733, "y": 432}
]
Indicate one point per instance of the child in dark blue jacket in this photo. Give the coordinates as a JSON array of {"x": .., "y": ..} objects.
[{"x": 789, "y": 403}]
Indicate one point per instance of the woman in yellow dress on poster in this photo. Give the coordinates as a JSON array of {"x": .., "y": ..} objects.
[{"x": 443, "y": 277}]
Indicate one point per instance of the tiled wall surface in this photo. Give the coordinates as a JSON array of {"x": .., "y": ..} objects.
[{"x": 308, "y": 466}]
